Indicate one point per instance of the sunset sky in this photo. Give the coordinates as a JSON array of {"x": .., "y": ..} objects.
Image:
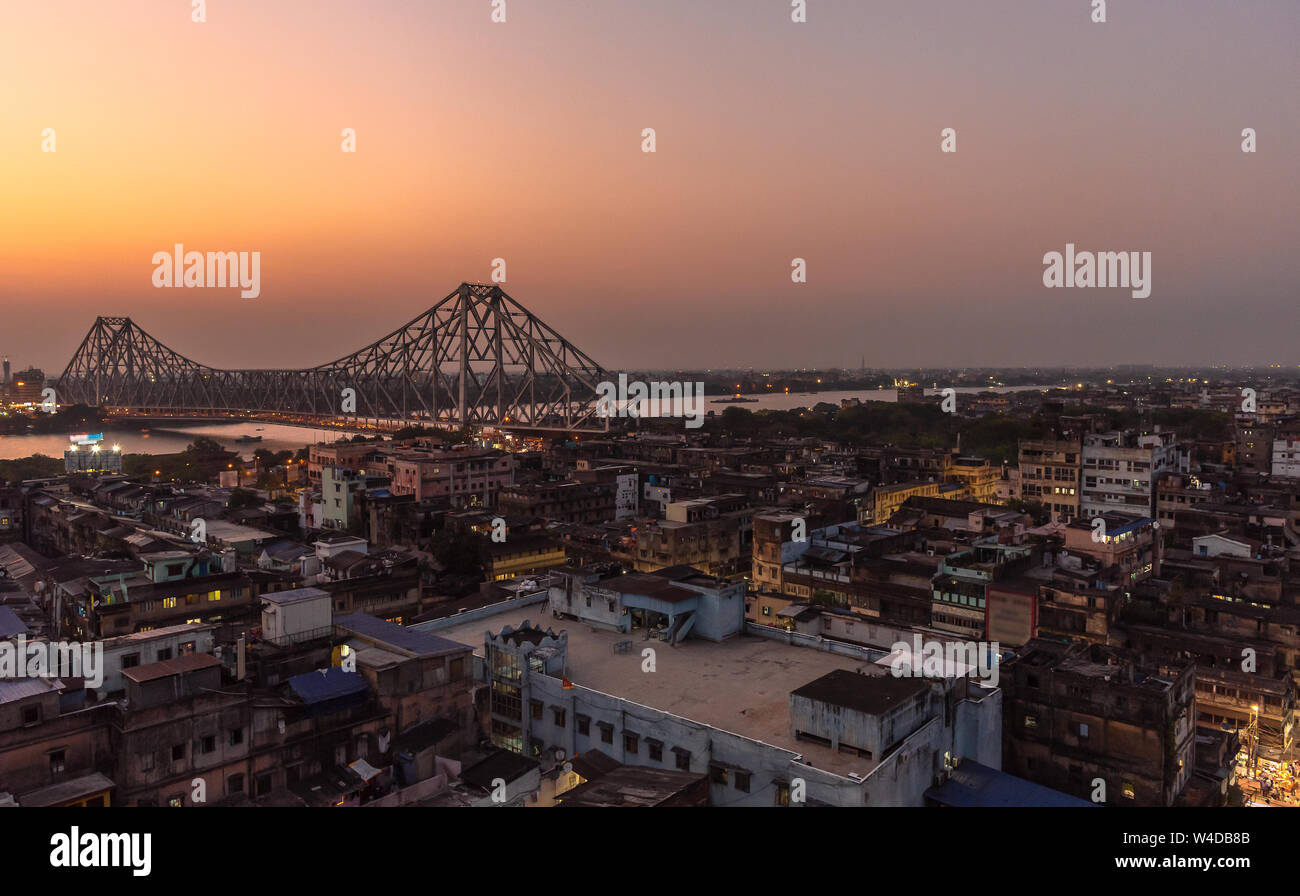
[{"x": 776, "y": 140}]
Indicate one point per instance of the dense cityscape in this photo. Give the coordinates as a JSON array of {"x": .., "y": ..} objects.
[
  {"x": 754, "y": 404},
  {"x": 1047, "y": 596}
]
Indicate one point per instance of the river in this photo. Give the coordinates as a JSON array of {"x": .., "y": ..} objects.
[{"x": 175, "y": 437}]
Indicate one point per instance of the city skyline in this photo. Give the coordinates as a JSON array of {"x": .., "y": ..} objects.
[{"x": 676, "y": 258}]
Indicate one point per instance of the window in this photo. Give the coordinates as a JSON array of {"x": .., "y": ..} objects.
[
  {"x": 146, "y": 762},
  {"x": 683, "y": 758},
  {"x": 535, "y": 708},
  {"x": 235, "y": 784},
  {"x": 165, "y": 653},
  {"x": 130, "y": 660},
  {"x": 58, "y": 762},
  {"x": 208, "y": 744},
  {"x": 718, "y": 774},
  {"x": 584, "y": 725},
  {"x": 31, "y": 714},
  {"x": 631, "y": 742},
  {"x": 1031, "y": 721},
  {"x": 782, "y": 794},
  {"x": 263, "y": 784},
  {"x": 178, "y": 752},
  {"x": 456, "y": 668},
  {"x": 558, "y": 715},
  {"x": 742, "y": 781},
  {"x": 1130, "y": 792},
  {"x": 606, "y": 732},
  {"x": 1083, "y": 730},
  {"x": 236, "y": 736},
  {"x": 655, "y": 749}
]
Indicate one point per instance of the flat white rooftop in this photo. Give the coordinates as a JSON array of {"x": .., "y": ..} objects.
[{"x": 741, "y": 685}]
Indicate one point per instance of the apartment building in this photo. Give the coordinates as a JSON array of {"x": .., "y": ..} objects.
[
  {"x": 465, "y": 478},
  {"x": 1286, "y": 451},
  {"x": 1051, "y": 473},
  {"x": 1120, "y": 470},
  {"x": 1079, "y": 714}
]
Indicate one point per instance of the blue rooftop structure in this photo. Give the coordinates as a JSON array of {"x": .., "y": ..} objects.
[
  {"x": 10, "y": 625},
  {"x": 975, "y": 785},
  {"x": 330, "y": 690}
]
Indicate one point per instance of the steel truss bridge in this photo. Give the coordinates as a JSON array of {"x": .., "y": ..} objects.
[{"x": 476, "y": 358}]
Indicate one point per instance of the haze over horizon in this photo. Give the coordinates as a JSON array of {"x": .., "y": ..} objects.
[{"x": 522, "y": 140}]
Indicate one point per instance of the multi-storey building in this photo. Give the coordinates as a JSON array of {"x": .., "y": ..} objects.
[
  {"x": 1079, "y": 714},
  {"x": 466, "y": 478},
  {"x": 1254, "y": 445},
  {"x": 977, "y": 477},
  {"x": 563, "y": 502},
  {"x": 1051, "y": 473},
  {"x": 1120, "y": 470},
  {"x": 1286, "y": 451}
]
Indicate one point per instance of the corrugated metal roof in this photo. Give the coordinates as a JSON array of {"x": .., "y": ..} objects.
[
  {"x": 414, "y": 642},
  {"x": 294, "y": 595},
  {"x": 190, "y": 662},
  {"x": 21, "y": 688}
]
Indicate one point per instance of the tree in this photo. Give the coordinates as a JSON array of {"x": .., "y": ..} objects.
[
  {"x": 459, "y": 551},
  {"x": 204, "y": 445},
  {"x": 1037, "y": 510},
  {"x": 241, "y": 498},
  {"x": 38, "y": 466}
]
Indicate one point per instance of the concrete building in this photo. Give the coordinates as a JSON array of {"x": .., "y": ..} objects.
[
  {"x": 416, "y": 676},
  {"x": 300, "y": 614},
  {"x": 671, "y": 604},
  {"x": 1254, "y": 448},
  {"x": 703, "y": 534},
  {"x": 153, "y": 646},
  {"x": 576, "y": 692},
  {"x": 1126, "y": 543},
  {"x": 960, "y": 587},
  {"x": 1051, "y": 473},
  {"x": 1120, "y": 470},
  {"x": 1079, "y": 713},
  {"x": 464, "y": 478},
  {"x": 1286, "y": 452}
]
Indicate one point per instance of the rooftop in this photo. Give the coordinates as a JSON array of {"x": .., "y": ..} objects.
[
  {"x": 972, "y": 784},
  {"x": 631, "y": 786},
  {"x": 190, "y": 662},
  {"x": 873, "y": 695},
  {"x": 406, "y": 640},
  {"x": 741, "y": 685},
  {"x": 293, "y": 595}
]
